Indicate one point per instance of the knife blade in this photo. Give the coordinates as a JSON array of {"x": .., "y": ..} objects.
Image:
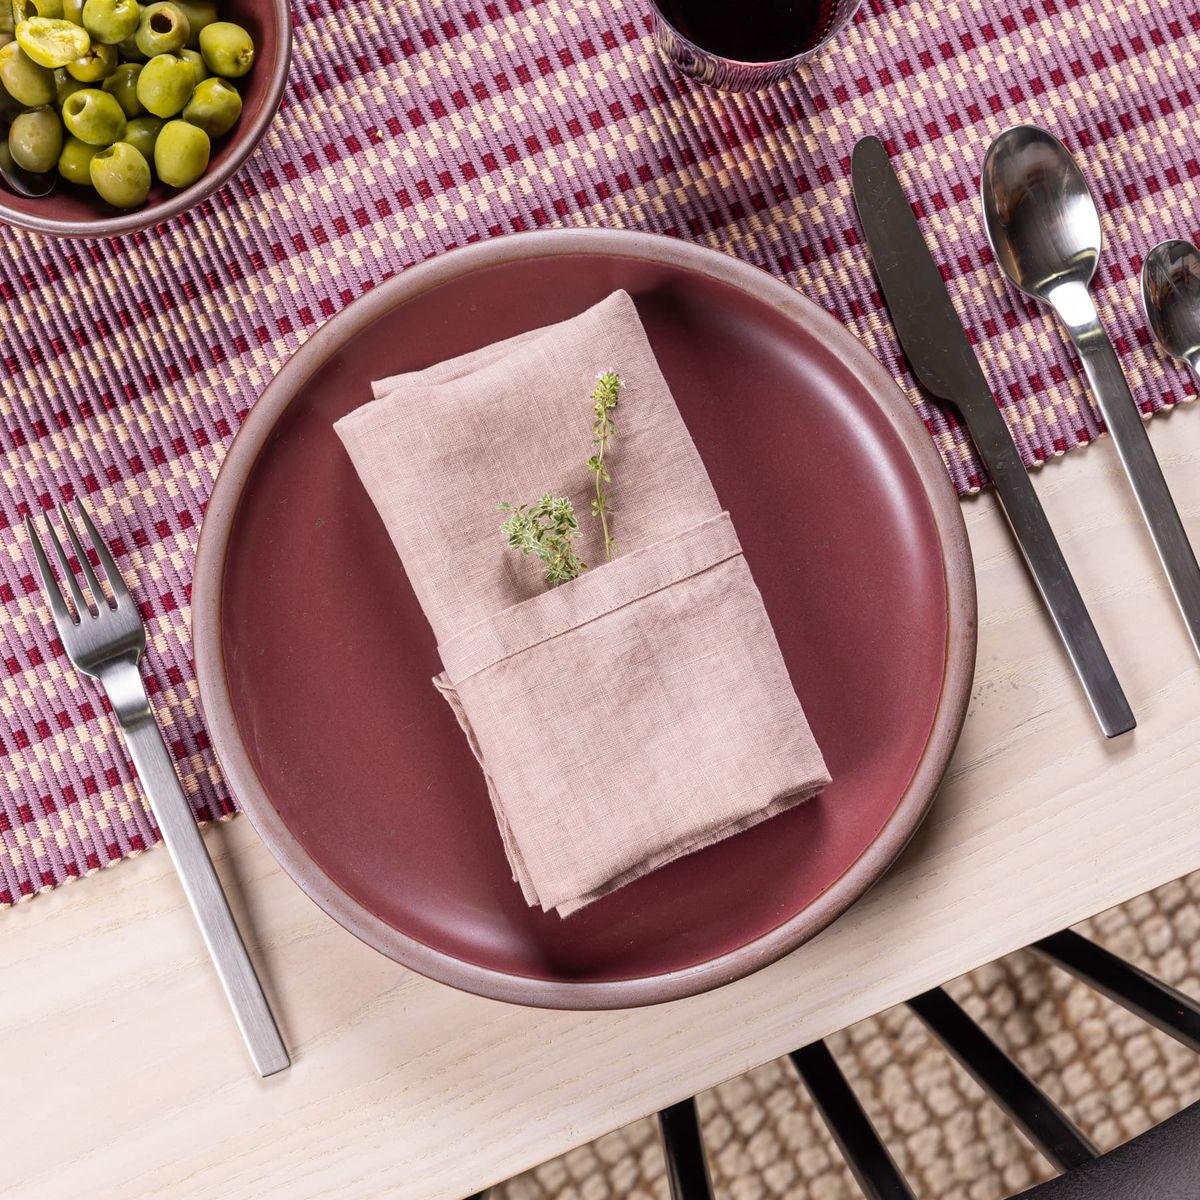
[{"x": 943, "y": 360}]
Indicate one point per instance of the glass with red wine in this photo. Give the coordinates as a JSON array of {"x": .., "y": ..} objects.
[{"x": 743, "y": 45}]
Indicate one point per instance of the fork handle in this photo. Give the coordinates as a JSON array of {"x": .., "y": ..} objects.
[{"x": 182, "y": 838}]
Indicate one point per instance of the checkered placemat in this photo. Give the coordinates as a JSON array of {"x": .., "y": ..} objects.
[{"x": 410, "y": 128}]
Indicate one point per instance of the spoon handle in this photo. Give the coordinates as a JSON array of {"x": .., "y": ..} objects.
[{"x": 1129, "y": 435}]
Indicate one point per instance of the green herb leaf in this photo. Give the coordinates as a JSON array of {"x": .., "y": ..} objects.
[
  {"x": 605, "y": 397},
  {"x": 548, "y": 529}
]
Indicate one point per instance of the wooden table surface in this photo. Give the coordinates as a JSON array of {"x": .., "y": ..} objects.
[{"x": 123, "y": 1074}]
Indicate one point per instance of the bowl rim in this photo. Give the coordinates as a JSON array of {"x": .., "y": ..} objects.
[
  {"x": 913, "y": 804},
  {"x": 205, "y": 186}
]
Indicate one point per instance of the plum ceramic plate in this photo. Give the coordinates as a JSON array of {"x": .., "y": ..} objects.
[{"x": 315, "y": 660}]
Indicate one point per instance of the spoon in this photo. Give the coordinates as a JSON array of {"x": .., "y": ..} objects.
[
  {"x": 1171, "y": 297},
  {"x": 22, "y": 182},
  {"x": 33, "y": 184},
  {"x": 1045, "y": 231}
]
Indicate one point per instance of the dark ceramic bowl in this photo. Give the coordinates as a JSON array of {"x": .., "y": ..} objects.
[{"x": 72, "y": 211}]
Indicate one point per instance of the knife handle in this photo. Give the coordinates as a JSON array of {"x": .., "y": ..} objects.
[{"x": 1049, "y": 569}]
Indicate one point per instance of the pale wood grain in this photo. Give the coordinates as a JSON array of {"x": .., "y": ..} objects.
[{"x": 123, "y": 1073}]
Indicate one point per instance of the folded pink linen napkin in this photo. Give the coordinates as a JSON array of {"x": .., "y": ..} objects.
[{"x": 639, "y": 712}]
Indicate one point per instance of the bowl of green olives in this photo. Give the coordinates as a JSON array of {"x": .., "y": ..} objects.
[{"x": 133, "y": 110}]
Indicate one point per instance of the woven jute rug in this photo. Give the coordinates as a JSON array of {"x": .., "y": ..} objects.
[{"x": 1114, "y": 1076}]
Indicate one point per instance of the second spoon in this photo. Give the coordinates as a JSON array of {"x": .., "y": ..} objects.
[{"x": 1171, "y": 297}]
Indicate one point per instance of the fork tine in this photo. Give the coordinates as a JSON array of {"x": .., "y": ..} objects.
[
  {"x": 115, "y": 582},
  {"x": 54, "y": 597},
  {"x": 81, "y": 605},
  {"x": 84, "y": 563}
]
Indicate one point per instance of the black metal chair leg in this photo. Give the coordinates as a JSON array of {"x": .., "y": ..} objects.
[
  {"x": 687, "y": 1168},
  {"x": 864, "y": 1152},
  {"x": 1027, "y": 1106},
  {"x": 1155, "y": 1002}
]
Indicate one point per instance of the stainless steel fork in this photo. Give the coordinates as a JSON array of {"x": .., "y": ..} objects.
[{"x": 106, "y": 640}]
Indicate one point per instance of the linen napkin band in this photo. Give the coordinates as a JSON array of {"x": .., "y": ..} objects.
[{"x": 639, "y": 712}]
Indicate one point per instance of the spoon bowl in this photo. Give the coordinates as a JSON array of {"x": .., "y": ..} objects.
[
  {"x": 1171, "y": 298},
  {"x": 1040, "y": 216},
  {"x": 30, "y": 184}
]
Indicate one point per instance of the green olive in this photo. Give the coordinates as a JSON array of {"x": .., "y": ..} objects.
[
  {"x": 165, "y": 84},
  {"x": 35, "y": 139},
  {"x": 227, "y": 48},
  {"x": 162, "y": 29},
  {"x": 75, "y": 161},
  {"x": 141, "y": 133},
  {"x": 98, "y": 63},
  {"x": 111, "y": 21},
  {"x": 51, "y": 41},
  {"x": 181, "y": 153},
  {"x": 94, "y": 117},
  {"x": 9, "y": 108},
  {"x": 121, "y": 175},
  {"x": 214, "y": 107},
  {"x": 26, "y": 82},
  {"x": 73, "y": 11},
  {"x": 199, "y": 14},
  {"x": 64, "y": 86},
  {"x": 199, "y": 70},
  {"x": 24, "y": 9},
  {"x": 122, "y": 84}
]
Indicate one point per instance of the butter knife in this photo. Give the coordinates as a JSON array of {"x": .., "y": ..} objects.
[{"x": 942, "y": 358}]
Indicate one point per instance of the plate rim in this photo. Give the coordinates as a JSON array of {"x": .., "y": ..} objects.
[{"x": 351, "y": 914}]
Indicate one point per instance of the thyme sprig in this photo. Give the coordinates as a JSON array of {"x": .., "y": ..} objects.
[
  {"x": 605, "y": 397},
  {"x": 548, "y": 528}
]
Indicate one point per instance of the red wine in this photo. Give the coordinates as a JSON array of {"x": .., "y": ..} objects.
[{"x": 752, "y": 30}]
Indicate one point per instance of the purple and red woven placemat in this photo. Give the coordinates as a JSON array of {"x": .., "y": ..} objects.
[{"x": 410, "y": 129}]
